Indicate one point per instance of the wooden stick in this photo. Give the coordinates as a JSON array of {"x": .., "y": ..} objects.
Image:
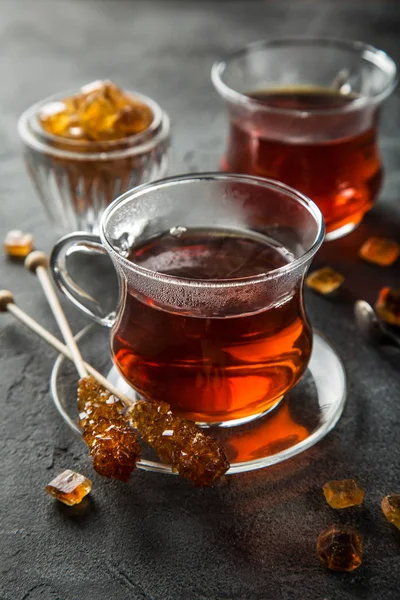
[
  {"x": 7, "y": 304},
  {"x": 37, "y": 262}
]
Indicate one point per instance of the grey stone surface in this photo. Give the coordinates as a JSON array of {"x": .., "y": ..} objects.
[{"x": 157, "y": 538}]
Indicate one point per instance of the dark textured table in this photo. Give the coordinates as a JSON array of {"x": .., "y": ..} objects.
[{"x": 157, "y": 538}]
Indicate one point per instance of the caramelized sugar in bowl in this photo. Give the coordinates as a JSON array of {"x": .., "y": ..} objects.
[{"x": 84, "y": 148}]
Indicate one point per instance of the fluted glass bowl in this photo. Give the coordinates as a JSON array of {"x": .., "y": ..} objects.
[{"x": 76, "y": 180}]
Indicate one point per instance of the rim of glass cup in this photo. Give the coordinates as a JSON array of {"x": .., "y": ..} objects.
[
  {"x": 269, "y": 184},
  {"x": 35, "y": 136},
  {"x": 367, "y": 51}
]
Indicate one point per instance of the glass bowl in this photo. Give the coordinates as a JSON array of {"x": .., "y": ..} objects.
[{"x": 75, "y": 179}]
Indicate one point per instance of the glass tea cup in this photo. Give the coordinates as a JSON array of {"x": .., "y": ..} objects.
[
  {"x": 305, "y": 112},
  {"x": 211, "y": 266}
]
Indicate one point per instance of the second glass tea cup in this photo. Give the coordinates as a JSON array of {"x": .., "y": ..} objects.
[{"x": 305, "y": 111}]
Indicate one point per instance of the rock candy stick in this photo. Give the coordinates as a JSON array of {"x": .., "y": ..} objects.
[
  {"x": 113, "y": 444},
  {"x": 179, "y": 442},
  {"x": 204, "y": 450}
]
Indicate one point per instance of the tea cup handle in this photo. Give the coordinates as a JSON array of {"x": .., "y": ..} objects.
[{"x": 78, "y": 242}]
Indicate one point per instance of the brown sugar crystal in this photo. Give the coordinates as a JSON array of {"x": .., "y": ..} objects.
[
  {"x": 69, "y": 487},
  {"x": 107, "y": 88},
  {"x": 391, "y": 509},
  {"x": 130, "y": 120},
  {"x": 380, "y": 251},
  {"x": 18, "y": 244},
  {"x": 113, "y": 444},
  {"x": 388, "y": 306},
  {"x": 340, "y": 548},
  {"x": 114, "y": 449},
  {"x": 99, "y": 112},
  {"x": 325, "y": 281},
  {"x": 58, "y": 117},
  {"x": 95, "y": 402},
  {"x": 96, "y": 116},
  {"x": 92, "y": 392},
  {"x": 343, "y": 493},
  {"x": 180, "y": 443}
]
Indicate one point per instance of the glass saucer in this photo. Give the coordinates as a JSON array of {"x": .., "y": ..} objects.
[{"x": 304, "y": 416}]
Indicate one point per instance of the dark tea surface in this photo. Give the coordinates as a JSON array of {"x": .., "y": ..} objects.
[
  {"x": 303, "y": 98},
  {"x": 210, "y": 254},
  {"x": 212, "y": 369},
  {"x": 342, "y": 175}
]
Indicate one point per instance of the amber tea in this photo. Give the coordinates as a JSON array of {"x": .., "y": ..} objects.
[
  {"x": 305, "y": 111},
  {"x": 341, "y": 175},
  {"x": 212, "y": 369}
]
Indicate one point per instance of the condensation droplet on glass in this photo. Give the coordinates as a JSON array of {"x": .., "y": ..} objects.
[
  {"x": 123, "y": 244},
  {"x": 177, "y": 231}
]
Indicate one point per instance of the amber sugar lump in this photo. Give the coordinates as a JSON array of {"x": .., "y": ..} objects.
[
  {"x": 391, "y": 509},
  {"x": 325, "y": 281},
  {"x": 388, "y": 306},
  {"x": 69, "y": 487},
  {"x": 343, "y": 493},
  {"x": 18, "y": 244},
  {"x": 380, "y": 251},
  {"x": 340, "y": 548}
]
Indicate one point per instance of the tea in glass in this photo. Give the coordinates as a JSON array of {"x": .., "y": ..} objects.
[
  {"x": 305, "y": 112},
  {"x": 212, "y": 368},
  {"x": 343, "y": 176}
]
